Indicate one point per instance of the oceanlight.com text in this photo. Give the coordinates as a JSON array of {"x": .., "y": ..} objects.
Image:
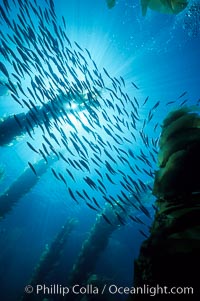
[
  {"x": 151, "y": 290},
  {"x": 57, "y": 289}
]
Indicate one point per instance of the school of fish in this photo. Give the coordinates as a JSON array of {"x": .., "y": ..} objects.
[{"x": 47, "y": 74}]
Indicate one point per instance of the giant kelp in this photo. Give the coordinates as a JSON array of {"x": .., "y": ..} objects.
[
  {"x": 1, "y": 173},
  {"x": 164, "y": 6},
  {"x": 49, "y": 259},
  {"x": 170, "y": 256},
  {"x": 21, "y": 186},
  {"x": 178, "y": 155}
]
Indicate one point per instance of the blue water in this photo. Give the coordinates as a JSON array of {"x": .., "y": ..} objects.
[{"x": 160, "y": 54}]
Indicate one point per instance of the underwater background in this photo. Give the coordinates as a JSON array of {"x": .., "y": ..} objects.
[{"x": 139, "y": 69}]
